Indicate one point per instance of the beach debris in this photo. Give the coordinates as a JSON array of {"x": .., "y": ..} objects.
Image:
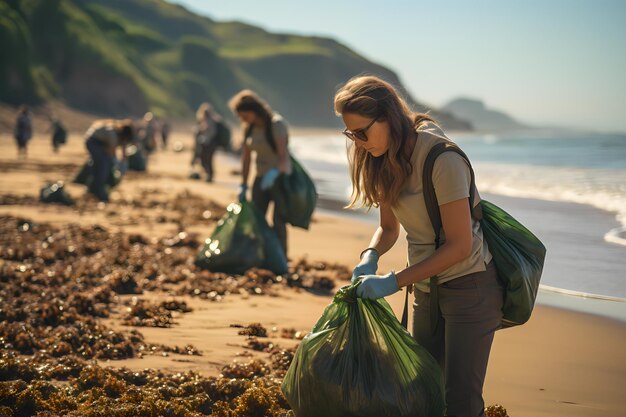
[
  {"x": 292, "y": 333},
  {"x": 247, "y": 370},
  {"x": 93, "y": 390},
  {"x": 254, "y": 329},
  {"x": 496, "y": 410},
  {"x": 143, "y": 313},
  {"x": 149, "y": 205},
  {"x": 57, "y": 283},
  {"x": 257, "y": 345}
]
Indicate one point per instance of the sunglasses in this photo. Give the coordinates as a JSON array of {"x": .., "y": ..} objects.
[{"x": 359, "y": 134}]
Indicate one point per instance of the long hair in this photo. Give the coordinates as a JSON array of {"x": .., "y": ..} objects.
[
  {"x": 204, "y": 112},
  {"x": 248, "y": 100},
  {"x": 376, "y": 179}
]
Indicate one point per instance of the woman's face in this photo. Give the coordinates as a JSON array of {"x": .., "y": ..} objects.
[
  {"x": 377, "y": 134},
  {"x": 248, "y": 117}
]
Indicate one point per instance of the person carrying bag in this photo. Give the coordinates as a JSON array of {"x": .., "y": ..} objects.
[
  {"x": 456, "y": 314},
  {"x": 517, "y": 253}
]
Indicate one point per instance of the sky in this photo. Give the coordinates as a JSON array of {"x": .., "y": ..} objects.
[{"x": 545, "y": 62}]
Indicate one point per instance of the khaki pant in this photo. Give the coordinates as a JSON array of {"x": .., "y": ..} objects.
[{"x": 470, "y": 310}]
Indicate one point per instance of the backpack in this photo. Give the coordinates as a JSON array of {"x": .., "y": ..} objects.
[{"x": 517, "y": 253}]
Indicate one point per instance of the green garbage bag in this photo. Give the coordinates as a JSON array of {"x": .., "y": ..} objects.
[
  {"x": 242, "y": 240},
  {"x": 55, "y": 193},
  {"x": 136, "y": 159},
  {"x": 519, "y": 256},
  {"x": 295, "y": 194},
  {"x": 85, "y": 175},
  {"x": 223, "y": 136},
  {"x": 359, "y": 361}
]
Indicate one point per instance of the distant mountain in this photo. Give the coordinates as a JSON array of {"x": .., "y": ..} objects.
[
  {"x": 480, "y": 117},
  {"x": 124, "y": 57}
]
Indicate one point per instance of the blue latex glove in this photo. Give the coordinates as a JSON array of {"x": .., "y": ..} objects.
[
  {"x": 269, "y": 178},
  {"x": 242, "y": 192},
  {"x": 374, "y": 287},
  {"x": 367, "y": 266}
]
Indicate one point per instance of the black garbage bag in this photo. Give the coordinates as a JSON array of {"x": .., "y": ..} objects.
[
  {"x": 296, "y": 195},
  {"x": 242, "y": 240},
  {"x": 136, "y": 159},
  {"x": 85, "y": 175},
  {"x": 55, "y": 193},
  {"x": 358, "y": 360}
]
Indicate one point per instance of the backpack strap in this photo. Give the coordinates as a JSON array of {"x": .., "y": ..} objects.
[
  {"x": 430, "y": 197},
  {"x": 432, "y": 206},
  {"x": 269, "y": 135}
]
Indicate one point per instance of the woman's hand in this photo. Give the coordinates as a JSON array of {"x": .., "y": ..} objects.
[
  {"x": 374, "y": 287},
  {"x": 268, "y": 179},
  {"x": 367, "y": 266}
]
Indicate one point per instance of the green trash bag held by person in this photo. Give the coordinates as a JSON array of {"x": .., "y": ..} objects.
[
  {"x": 517, "y": 253},
  {"x": 358, "y": 361},
  {"x": 295, "y": 193},
  {"x": 242, "y": 240}
]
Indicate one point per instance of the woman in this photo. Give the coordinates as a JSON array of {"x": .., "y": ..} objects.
[
  {"x": 265, "y": 135},
  {"x": 59, "y": 133},
  {"x": 103, "y": 139},
  {"x": 23, "y": 131},
  {"x": 206, "y": 138},
  {"x": 390, "y": 144}
]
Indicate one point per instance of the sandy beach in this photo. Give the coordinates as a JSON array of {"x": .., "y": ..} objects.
[{"x": 561, "y": 363}]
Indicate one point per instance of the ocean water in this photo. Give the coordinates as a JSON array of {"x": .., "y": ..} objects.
[
  {"x": 581, "y": 168},
  {"x": 551, "y": 169}
]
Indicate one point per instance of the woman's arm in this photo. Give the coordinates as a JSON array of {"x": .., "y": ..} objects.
[
  {"x": 388, "y": 231},
  {"x": 457, "y": 226},
  {"x": 245, "y": 165}
]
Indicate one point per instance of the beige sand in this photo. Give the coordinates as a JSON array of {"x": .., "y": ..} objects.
[{"x": 560, "y": 363}]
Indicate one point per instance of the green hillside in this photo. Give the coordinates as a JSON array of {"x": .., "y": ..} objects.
[{"x": 124, "y": 57}]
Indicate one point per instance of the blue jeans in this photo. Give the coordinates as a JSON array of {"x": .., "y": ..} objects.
[{"x": 102, "y": 165}]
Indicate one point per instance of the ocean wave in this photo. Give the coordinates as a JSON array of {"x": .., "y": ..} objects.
[
  {"x": 602, "y": 189},
  {"x": 617, "y": 235}
]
